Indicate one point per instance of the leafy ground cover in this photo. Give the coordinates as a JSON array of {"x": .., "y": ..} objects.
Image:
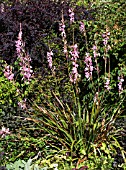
[{"x": 62, "y": 77}]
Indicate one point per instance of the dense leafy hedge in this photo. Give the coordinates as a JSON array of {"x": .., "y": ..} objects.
[{"x": 39, "y": 20}]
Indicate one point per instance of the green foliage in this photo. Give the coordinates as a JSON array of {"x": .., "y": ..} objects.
[
  {"x": 76, "y": 131},
  {"x": 11, "y": 93},
  {"x": 7, "y": 90},
  {"x": 19, "y": 146},
  {"x": 22, "y": 165},
  {"x": 60, "y": 163},
  {"x": 99, "y": 163}
]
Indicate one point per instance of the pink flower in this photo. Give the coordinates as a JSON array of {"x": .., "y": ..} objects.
[
  {"x": 25, "y": 68},
  {"x": 49, "y": 58},
  {"x": 96, "y": 98},
  {"x": 65, "y": 50},
  {"x": 2, "y": 7},
  {"x": 63, "y": 34},
  {"x": 24, "y": 58},
  {"x": 71, "y": 15},
  {"x": 8, "y": 73},
  {"x": 4, "y": 132},
  {"x": 74, "y": 53},
  {"x": 20, "y": 34},
  {"x": 107, "y": 84},
  {"x": 19, "y": 43},
  {"x": 106, "y": 36},
  {"x": 120, "y": 81},
  {"x": 22, "y": 104},
  {"x": 74, "y": 69},
  {"x": 89, "y": 68},
  {"x": 62, "y": 29},
  {"x": 27, "y": 75},
  {"x": 95, "y": 52},
  {"x": 87, "y": 75},
  {"x": 82, "y": 27},
  {"x": 11, "y": 77}
]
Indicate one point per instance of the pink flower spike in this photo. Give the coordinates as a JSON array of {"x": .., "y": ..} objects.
[
  {"x": 23, "y": 58},
  {"x": 120, "y": 83},
  {"x": 8, "y": 73},
  {"x": 74, "y": 53},
  {"x": 103, "y": 35},
  {"x": 105, "y": 39},
  {"x": 27, "y": 76},
  {"x": 107, "y": 84},
  {"x": 74, "y": 70},
  {"x": 71, "y": 15},
  {"x": 70, "y": 10},
  {"x": 94, "y": 47},
  {"x": 62, "y": 29},
  {"x": 25, "y": 69},
  {"x": 11, "y": 77},
  {"x": 89, "y": 68},
  {"x": 87, "y": 75},
  {"x": 82, "y": 27},
  {"x": 20, "y": 33},
  {"x": 4, "y": 132},
  {"x": 96, "y": 98},
  {"x": 49, "y": 58}
]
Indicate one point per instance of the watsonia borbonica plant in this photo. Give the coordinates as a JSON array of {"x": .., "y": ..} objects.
[
  {"x": 86, "y": 126},
  {"x": 24, "y": 69}
]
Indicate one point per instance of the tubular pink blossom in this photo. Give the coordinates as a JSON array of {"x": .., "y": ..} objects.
[
  {"x": 89, "y": 68},
  {"x": 71, "y": 15},
  {"x": 62, "y": 29},
  {"x": 74, "y": 53},
  {"x": 106, "y": 36},
  {"x": 120, "y": 81},
  {"x": 26, "y": 69},
  {"x": 107, "y": 84},
  {"x": 4, "y": 131},
  {"x": 24, "y": 58},
  {"x": 95, "y": 52},
  {"x": 8, "y": 73},
  {"x": 49, "y": 58},
  {"x": 19, "y": 43},
  {"x": 11, "y": 77},
  {"x": 82, "y": 27},
  {"x": 63, "y": 34}
]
